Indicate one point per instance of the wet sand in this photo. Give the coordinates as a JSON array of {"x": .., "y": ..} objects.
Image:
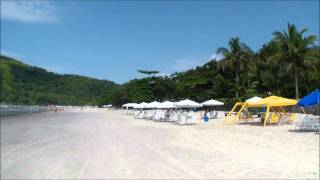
[{"x": 109, "y": 144}]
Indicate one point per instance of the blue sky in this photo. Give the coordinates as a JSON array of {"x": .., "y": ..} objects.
[{"x": 111, "y": 40}]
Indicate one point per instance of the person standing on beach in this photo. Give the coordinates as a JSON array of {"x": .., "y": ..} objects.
[{"x": 205, "y": 117}]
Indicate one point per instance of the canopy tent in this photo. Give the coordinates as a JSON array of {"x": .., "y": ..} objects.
[
  {"x": 129, "y": 105},
  {"x": 140, "y": 106},
  {"x": 274, "y": 102},
  {"x": 187, "y": 104},
  {"x": 311, "y": 99},
  {"x": 153, "y": 105},
  {"x": 166, "y": 105},
  {"x": 254, "y": 99},
  {"x": 212, "y": 102}
]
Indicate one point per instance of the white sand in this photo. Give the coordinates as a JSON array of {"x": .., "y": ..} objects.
[{"x": 109, "y": 144}]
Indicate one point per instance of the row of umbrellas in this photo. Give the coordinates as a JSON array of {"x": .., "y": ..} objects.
[{"x": 168, "y": 104}]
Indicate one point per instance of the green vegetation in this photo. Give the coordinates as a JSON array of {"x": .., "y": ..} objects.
[
  {"x": 24, "y": 84},
  {"x": 288, "y": 65}
]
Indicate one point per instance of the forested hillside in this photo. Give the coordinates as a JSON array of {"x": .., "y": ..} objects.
[
  {"x": 24, "y": 84},
  {"x": 288, "y": 65}
]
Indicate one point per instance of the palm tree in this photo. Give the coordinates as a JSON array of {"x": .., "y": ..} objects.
[
  {"x": 293, "y": 47},
  {"x": 235, "y": 58}
]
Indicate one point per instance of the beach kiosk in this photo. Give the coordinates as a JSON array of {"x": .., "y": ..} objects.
[{"x": 272, "y": 103}]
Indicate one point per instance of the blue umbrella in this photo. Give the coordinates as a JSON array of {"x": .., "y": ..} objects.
[{"x": 311, "y": 99}]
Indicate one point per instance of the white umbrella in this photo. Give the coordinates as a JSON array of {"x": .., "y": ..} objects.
[
  {"x": 153, "y": 104},
  {"x": 140, "y": 106},
  {"x": 253, "y": 99},
  {"x": 212, "y": 102},
  {"x": 166, "y": 105},
  {"x": 129, "y": 105},
  {"x": 187, "y": 104}
]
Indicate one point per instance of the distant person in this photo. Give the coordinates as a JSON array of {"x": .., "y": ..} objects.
[{"x": 205, "y": 117}]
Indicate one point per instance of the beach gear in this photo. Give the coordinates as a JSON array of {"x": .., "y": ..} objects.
[
  {"x": 187, "y": 104},
  {"x": 166, "y": 105},
  {"x": 254, "y": 99},
  {"x": 311, "y": 99},
  {"x": 274, "y": 103},
  {"x": 212, "y": 102},
  {"x": 152, "y": 105},
  {"x": 140, "y": 106}
]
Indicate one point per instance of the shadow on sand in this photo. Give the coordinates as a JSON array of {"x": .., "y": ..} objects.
[
  {"x": 251, "y": 123},
  {"x": 304, "y": 131}
]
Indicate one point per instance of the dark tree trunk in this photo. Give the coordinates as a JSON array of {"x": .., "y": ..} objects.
[
  {"x": 237, "y": 84},
  {"x": 296, "y": 83}
]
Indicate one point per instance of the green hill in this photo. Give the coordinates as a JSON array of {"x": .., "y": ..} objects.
[{"x": 25, "y": 84}]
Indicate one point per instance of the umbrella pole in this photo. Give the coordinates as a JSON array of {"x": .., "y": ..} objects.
[
  {"x": 237, "y": 116},
  {"x": 229, "y": 114},
  {"x": 267, "y": 116}
]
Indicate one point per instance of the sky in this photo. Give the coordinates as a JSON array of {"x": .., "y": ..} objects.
[{"x": 113, "y": 39}]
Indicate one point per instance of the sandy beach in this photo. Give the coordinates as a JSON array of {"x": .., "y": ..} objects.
[{"x": 109, "y": 144}]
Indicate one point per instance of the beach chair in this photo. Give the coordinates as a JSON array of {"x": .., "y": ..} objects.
[
  {"x": 308, "y": 123},
  {"x": 293, "y": 117},
  {"x": 191, "y": 119},
  {"x": 214, "y": 115},
  {"x": 137, "y": 114},
  {"x": 182, "y": 117},
  {"x": 162, "y": 116},
  {"x": 173, "y": 117},
  {"x": 282, "y": 120},
  {"x": 156, "y": 116}
]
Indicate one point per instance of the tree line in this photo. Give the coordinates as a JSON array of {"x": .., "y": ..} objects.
[{"x": 288, "y": 65}]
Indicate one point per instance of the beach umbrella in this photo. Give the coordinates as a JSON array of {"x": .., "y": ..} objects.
[
  {"x": 311, "y": 99},
  {"x": 153, "y": 104},
  {"x": 212, "y": 102},
  {"x": 187, "y": 104},
  {"x": 166, "y": 105},
  {"x": 140, "y": 106},
  {"x": 253, "y": 99},
  {"x": 129, "y": 105}
]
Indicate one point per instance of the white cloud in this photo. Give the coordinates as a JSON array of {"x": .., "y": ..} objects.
[{"x": 34, "y": 11}]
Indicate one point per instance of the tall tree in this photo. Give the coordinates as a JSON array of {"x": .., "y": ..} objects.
[
  {"x": 235, "y": 58},
  {"x": 293, "y": 47}
]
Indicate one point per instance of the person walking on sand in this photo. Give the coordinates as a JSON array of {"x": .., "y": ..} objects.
[{"x": 205, "y": 117}]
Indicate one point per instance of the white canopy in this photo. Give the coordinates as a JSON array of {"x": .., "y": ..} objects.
[
  {"x": 129, "y": 105},
  {"x": 140, "y": 106},
  {"x": 166, "y": 105},
  {"x": 187, "y": 104},
  {"x": 153, "y": 104},
  {"x": 212, "y": 102},
  {"x": 254, "y": 99}
]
